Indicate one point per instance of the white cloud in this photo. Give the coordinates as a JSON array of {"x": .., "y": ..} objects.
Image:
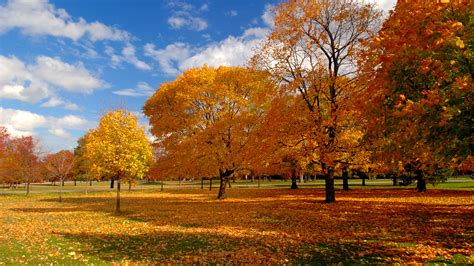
[
  {"x": 232, "y": 13},
  {"x": 187, "y": 16},
  {"x": 74, "y": 78},
  {"x": 268, "y": 16},
  {"x": 142, "y": 89},
  {"x": 128, "y": 55},
  {"x": 56, "y": 101},
  {"x": 25, "y": 123},
  {"x": 386, "y": 5},
  {"x": 33, "y": 82},
  {"x": 232, "y": 51},
  {"x": 38, "y": 17},
  {"x": 169, "y": 56},
  {"x": 184, "y": 19}
]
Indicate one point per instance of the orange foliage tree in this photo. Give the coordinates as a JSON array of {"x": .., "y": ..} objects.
[
  {"x": 419, "y": 97},
  {"x": 312, "y": 52},
  {"x": 59, "y": 165},
  {"x": 203, "y": 121}
]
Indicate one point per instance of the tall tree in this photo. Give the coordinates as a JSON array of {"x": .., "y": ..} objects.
[
  {"x": 60, "y": 165},
  {"x": 419, "y": 77},
  {"x": 312, "y": 51},
  {"x": 204, "y": 119},
  {"x": 118, "y": 148}
]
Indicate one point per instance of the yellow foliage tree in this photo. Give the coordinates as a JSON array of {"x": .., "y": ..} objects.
[
  {"x": 203, "y": 121},
  {"x": 118, "y": 149}
]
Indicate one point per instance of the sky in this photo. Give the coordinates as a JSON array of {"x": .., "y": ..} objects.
[{"x": 63, "y": 63}]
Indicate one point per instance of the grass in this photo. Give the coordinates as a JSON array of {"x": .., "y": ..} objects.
[{"x": 251, "y": 226}]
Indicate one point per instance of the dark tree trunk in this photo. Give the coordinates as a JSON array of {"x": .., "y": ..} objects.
[
  {"x": 117, "y": 205},
  {"x": 294, "y": 185},
  {"x": 202, "y": 183},
  {"x": 210, "y": 184},
  {"x": 330, "y": 192},
  {"x": 90, "y": 183},
  {"x": 329, "y": 185},
  {"x": 61, "y": 191},
  {"x": 129, "y": 186},
  {"x": 395, "y": 180},
  {"x": 224, "y": 179},
  {"x": 75, "y": 182},
  {"x": 420, "y": 181},
  {"x": 258, "y": 181},
  {"x": 112, "y": 183},
  {"x": 27, "y": 187},
  {"x": 363, "y": 180},
  {"x": 345, "y": 180},
  {"x": 228, "y": 182}
]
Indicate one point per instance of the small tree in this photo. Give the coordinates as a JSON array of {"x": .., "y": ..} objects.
[
  {"x": 118, "y": 149},
  {"x": 59, "y": 165}
]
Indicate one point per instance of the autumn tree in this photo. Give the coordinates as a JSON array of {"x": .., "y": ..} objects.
[
  {"x": 20, "y": 160},
  {"x": 418, "y": 72},
  {"x": 312, "y": 52},
  {"x": 118, "y": 149},
  {"x": 81, "y": 164},
  {"x": 203, "y": 120},
  {"x": 59, "y": 165}
]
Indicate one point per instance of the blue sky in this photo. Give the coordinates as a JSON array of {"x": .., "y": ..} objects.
[{"x": 63, "y": 63}]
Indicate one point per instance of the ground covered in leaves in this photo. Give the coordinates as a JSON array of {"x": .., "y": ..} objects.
[{"x": 251, "y": 226}]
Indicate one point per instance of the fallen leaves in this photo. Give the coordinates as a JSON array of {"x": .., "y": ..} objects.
[{"x": 252, "y": 226}]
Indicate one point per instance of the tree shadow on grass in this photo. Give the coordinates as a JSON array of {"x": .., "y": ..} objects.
[{"x": 168, "y": 247}]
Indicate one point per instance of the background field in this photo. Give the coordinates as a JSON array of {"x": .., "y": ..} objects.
[{"x": 253, "y": 225}]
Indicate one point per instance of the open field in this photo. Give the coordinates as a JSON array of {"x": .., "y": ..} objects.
[
  {"x": 251, "y": 226},
  {"x": 462, "y": 183}
]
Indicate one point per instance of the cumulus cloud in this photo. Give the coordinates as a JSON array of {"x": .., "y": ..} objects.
[
  {"x": 128, "y": 54},
  {"x": 142, "y": 89},
  {"x": 25, "y": 123},
  {"x": 232, "y": 13},
  {"x": 38, "y": 17},
  {"x": 33, "y": 82},
  {"x": 268, "y": 16},
  {"x": 56, "y": 101},
  {"x": 169, "y": 56},
  {"x": 232, "y": 51}
]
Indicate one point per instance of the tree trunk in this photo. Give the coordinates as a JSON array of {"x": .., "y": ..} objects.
[
  {"x": 202, "y": 183},
  {"x": 112, "y": 183},
  {"x": 258, "y": 181},
  {"x": 252, "y": 178},
  {"x": 61, "y": 190},
  {"x": 363, "y": 180},
  {"x": 75, "y": 182},
  {"x": 90, "y": 182},
  {"x": 420, "y": 181},
  {"x": 301, "y": 177},
  {"x": 345, "y": 180},
  {"x": 210, "y": 184},
  {"x": 329, "y": 185},
  {"x": 117, "y": 205},
  {"x": 28, "y": 186},
  {"x": 224, "y": 179},
  {"x": 395, "y": 179},
  {"x": 129, "y": 186},
  {"x": 228, "y": 182},
  {"x": 293, "y": 179},
  {"x": 330, "y": 192}
]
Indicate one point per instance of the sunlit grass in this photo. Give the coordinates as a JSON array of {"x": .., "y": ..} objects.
[{"x": 251, "y": 226}]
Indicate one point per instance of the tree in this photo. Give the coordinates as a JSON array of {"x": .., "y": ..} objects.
[
  {"x": 81, "y": 164},
  {"x": 312, "y": 51},
  {"x": 418, "y": 71},
  {"x": 21, "y": 160},
  {"x": 118, "y": 149},
  {"x": 60, "y": 165},
  {"x": 204, "y": 119}
]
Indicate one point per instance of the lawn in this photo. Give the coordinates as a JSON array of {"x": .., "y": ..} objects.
[{"x": 276, "y": 225}]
